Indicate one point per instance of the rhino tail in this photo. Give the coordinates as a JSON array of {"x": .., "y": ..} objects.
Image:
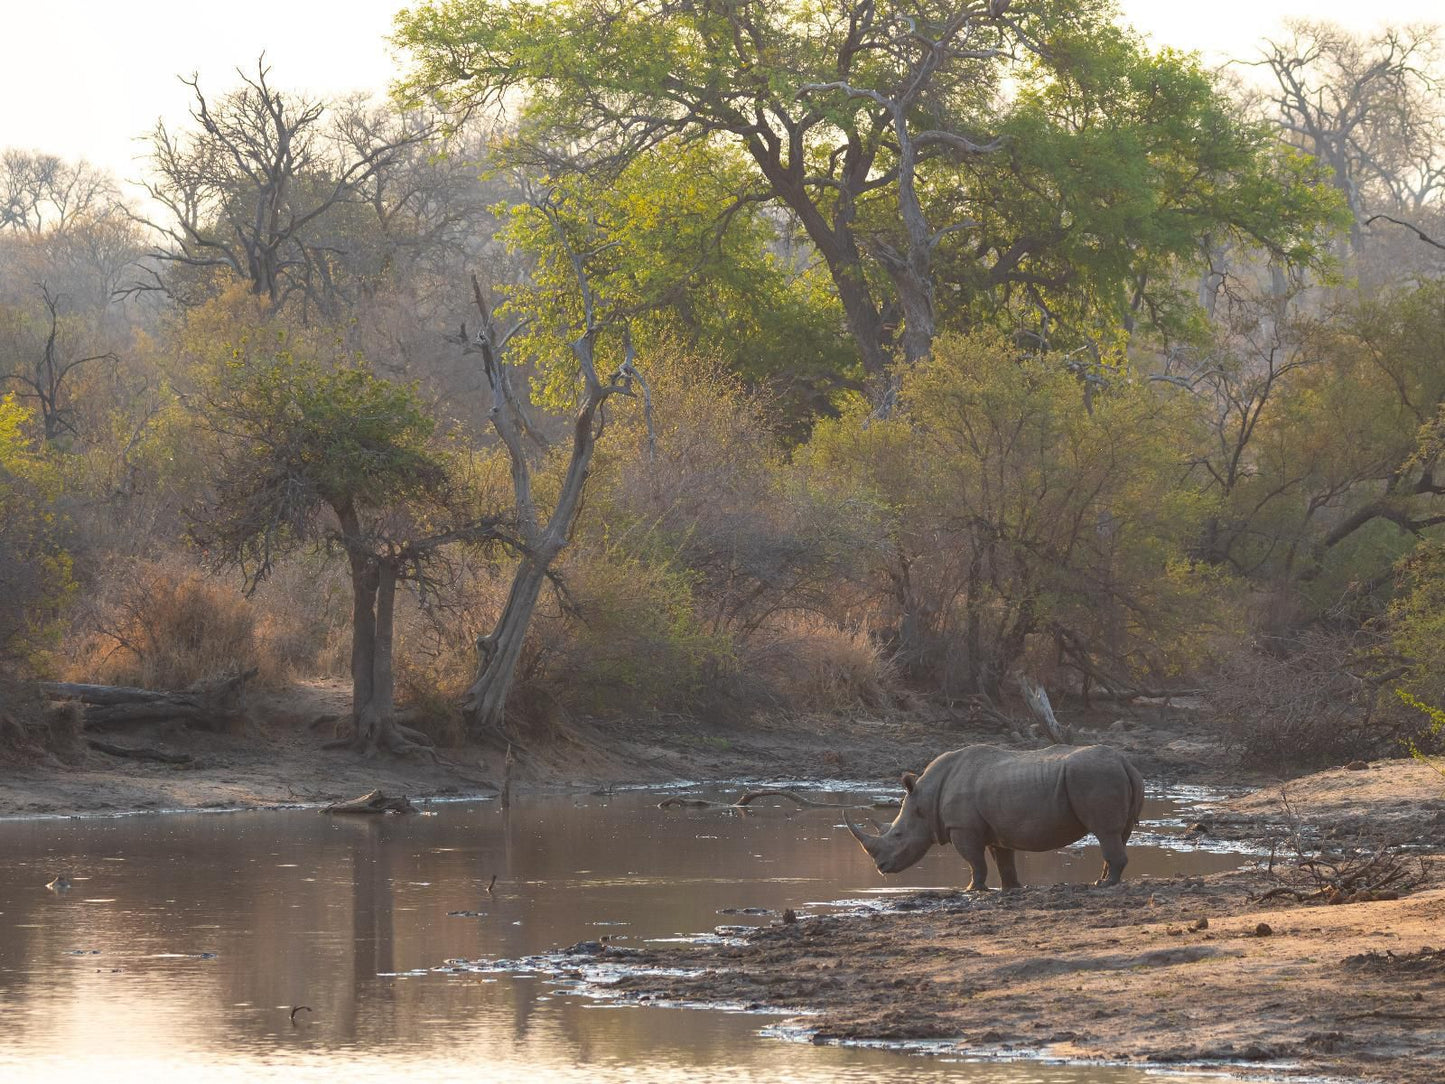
[{"x": 1136, "y": 798}]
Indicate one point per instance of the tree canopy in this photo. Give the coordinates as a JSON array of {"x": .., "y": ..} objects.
[{"x": 947, "y": 163}]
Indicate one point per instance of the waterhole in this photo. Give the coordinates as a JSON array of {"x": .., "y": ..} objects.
[{"x": 287, "y": 945}]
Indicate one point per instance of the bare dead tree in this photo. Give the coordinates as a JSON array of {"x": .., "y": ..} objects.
[
  {"x": 1368, "y": 109},
  {"x": 248, "y": 188},
  {"x": 46, "y": 377},
  {"x": 542, "y": 538},
  {"x": 40, "y": 192}
]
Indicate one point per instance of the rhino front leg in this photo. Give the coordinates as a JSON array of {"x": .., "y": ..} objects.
[
  {"x": 972, "y": 851},
  {"x": 1115, "y": 859},
  {"x": 1003, "y": 858}
]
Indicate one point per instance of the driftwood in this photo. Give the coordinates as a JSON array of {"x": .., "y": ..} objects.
[
  {"x": 210, "y": 706},
  {"x": 375, "y": 802},
  {"x": 753, "y": 795},
  {"x": 1043, "y": 711},
  {"x": 138, "y": 752}
]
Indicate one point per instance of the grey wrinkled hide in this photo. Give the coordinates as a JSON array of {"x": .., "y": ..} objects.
[{"x": 983, "y": 797}]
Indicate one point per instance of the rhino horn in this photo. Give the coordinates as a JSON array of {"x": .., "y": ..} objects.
[{"x": 870, "y": 843}]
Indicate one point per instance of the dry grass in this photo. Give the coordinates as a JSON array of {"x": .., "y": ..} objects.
[
  {"x": 812, "y": 664},
  {"x": 168, "y": 625}
]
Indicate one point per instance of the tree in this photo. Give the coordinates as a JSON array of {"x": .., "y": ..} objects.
[
  {"x": 35, "y": 567},
  {"x": 330, "y": 455},
  {"x": 1369, "y": 110},
  {"x": 42, "y": 192},
  {"x": 1016, "y": 509},
  {"x": 1325, "y": 454},
  {"x": 692, "y": 262},
  {"x": 597, "y": 326},
  {"x": 249, "y": 189},
  {"x": 55, "y": 357},
  {"x": 888, "y": 130}
]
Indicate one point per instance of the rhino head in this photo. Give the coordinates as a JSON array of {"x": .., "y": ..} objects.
[{"x": 904, "y": 841}]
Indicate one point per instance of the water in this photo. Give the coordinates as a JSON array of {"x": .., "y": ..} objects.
[{"x": 187, "y": 939}]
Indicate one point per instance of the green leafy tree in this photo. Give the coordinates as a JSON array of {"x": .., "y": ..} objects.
[
  {"x": 939, "y": 157},
  {"x": 1015, "y": 509},
  {"x": 683, "y": 273},
  {"x": 317, "y": 454},
  {"x": 35, "y": 567}
]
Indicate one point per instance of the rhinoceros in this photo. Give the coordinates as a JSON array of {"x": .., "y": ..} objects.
[{"x": 1040, "y": 800}]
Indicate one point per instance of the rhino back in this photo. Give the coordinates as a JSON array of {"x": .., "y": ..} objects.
[{"x": 1035, "y": 800}]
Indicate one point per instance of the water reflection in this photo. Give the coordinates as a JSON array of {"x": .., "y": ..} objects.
[{"x": 186, "y": 941}]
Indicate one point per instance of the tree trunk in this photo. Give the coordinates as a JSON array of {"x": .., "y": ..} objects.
[
  {"x": 375, "y": 720},
  {"x": 363, "y": 634},
  {"x": 486, "y": 701},
  {"x": 373, "y": 676},
  {"x": 915, "y": 293},
  {"x": 837, "y": 245}
]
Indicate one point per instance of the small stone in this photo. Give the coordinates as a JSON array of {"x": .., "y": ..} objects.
[
  {"x": 1264, "y": 929},
  {"x": 1357, "y": 766},
  {"x": 1201, "y": 924}
]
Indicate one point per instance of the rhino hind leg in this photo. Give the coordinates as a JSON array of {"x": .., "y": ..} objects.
[
  {"x": 1115, "y": 859},
  {"x": 973, "y": 853},
  {"x": 1003, "y": 859}
]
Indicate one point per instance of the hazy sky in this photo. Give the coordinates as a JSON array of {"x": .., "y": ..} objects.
[{"x": 83, "y": 78}]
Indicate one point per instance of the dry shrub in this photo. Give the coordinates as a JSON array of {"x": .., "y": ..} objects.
[
  {"x": 808, "y": 663},
  {"x": 436, "y": 659},
  {"x": 1309, "y": 702},
  {"x": 164, "y": 625},
  {"x": 622, "y": 635},
  {"x": 303, "y": 614}
]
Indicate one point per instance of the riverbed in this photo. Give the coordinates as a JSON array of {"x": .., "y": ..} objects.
[{"x": 292, "y": 945}]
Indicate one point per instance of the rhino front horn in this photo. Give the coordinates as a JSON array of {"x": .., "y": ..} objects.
[{"x": 870, "y": 843}]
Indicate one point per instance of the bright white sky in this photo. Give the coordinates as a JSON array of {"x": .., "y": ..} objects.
[{"x": 84, "y": 78}]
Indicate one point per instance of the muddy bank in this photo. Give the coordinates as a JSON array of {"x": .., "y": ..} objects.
[
  {"x": 1160, "y": 971},
  {"x": 276, "y": 756}
]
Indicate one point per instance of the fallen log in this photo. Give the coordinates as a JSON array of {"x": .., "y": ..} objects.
[
  {"x": 138, "y": 752},
  {"x": 211, "y": 706},
  {"x": 376, "y": 802}
]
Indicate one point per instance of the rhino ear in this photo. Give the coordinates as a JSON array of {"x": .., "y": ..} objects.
[{"x": 908, "y": 780}]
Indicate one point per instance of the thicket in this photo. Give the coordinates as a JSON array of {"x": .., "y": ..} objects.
[{"x": 1006, "y": 373}]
